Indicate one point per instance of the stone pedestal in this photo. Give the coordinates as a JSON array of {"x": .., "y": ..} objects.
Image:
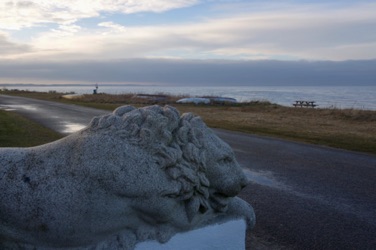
[{"x": 227, "y": 236}]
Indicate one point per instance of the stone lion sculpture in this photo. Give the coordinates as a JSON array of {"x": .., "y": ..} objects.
[{"x": 130, "y": 176}]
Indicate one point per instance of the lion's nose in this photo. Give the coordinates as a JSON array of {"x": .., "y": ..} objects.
[
  {"x": 234, "y": 188},
  {"x": 231, "y": 190},
  {"x": 243, "y": 182}
]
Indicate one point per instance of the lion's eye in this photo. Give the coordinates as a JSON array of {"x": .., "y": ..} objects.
[
  {"x": 226, "y": 159},
  {"x": 174, "y": 196}
]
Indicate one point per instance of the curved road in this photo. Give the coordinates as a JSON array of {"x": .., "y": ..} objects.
[{"x": 304, "y": 196}]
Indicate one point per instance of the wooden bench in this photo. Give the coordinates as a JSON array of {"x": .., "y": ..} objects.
[{"x": 305, "y": 104}]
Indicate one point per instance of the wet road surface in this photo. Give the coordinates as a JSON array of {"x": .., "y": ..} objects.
[
  {"x": 304, "y": 196},
  {"x": 63, "y": 118}
]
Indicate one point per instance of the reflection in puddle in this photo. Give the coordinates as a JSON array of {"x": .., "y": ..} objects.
[
  {"x": 18, "y": 107},
  {"x": 6, "y": 108},
  {"x": 346, "y": 206},
  {"x": 72, "y": 127},
  {"x": 264, "y": 178}
]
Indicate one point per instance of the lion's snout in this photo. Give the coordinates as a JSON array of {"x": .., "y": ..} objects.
[
  {"x": 221, "y": 194},
  {"x": 232, "y": 188}
]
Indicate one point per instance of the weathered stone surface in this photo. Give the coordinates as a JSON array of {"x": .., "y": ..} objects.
[{"x": 130, "y": 176}]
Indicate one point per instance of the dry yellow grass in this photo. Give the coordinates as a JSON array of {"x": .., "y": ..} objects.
[
  {"x": 349, "y": 129},
  {"x": 343, "y": 128}
]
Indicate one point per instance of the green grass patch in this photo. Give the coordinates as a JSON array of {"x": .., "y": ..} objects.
[{"x": 17, "y": 131}]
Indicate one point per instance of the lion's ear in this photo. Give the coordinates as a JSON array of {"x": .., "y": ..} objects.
[{"x": 94, "y": 122}]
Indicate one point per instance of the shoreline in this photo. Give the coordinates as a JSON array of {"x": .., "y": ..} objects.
[
  {"x": 349, "y": 129},
  {"x": 340, "y": 97}
]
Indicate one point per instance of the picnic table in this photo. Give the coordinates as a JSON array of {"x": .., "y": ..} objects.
[{"x": 306, "y": 104}]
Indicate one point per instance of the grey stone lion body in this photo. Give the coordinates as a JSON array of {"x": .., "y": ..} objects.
[{"x": 130, "y": 176}]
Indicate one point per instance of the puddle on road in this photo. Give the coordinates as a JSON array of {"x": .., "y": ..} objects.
[
  {"x": 72, "y": 127},
  {"x": 18, "y": 107},
  {"x": 6, "y": 108},
  {"x": 264, "y": 178}
]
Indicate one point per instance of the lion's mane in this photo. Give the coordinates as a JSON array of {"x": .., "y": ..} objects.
[{"x": 175, "y": 142}]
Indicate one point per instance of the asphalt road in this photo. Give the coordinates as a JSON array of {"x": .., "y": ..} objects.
[
  {"x": 304, "y": 196},
  {"x": 63, "y": 118}
]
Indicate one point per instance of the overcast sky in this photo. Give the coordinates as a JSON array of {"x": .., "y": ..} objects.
[{"x": 188, "y": 42}]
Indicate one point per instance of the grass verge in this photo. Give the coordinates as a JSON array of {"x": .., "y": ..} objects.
[
  {"x": 347, "y": 129},
  {"x": 17, "y": 131},
  {"x": 350, "y": 129}
]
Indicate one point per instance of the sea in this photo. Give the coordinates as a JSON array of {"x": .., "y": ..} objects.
[{"x": 340, "y": 97}]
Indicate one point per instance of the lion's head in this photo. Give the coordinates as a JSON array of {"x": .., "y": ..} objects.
[{"x": 200, "y": 169}]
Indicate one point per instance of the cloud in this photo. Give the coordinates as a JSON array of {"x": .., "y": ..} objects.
[
  {"x": 113, "y": 27},
  {"x": 244, "y": 30},
  {"x": 193, "y": 72},
  {"x": 66, "y": 50},
  {"x": 18, "y": 14},
  {"x": 64, "y": 31},
  {"x": 311, "y": 32},
  {"x": 8, "y": 48},
  {"x": 300, "y": 32}
]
